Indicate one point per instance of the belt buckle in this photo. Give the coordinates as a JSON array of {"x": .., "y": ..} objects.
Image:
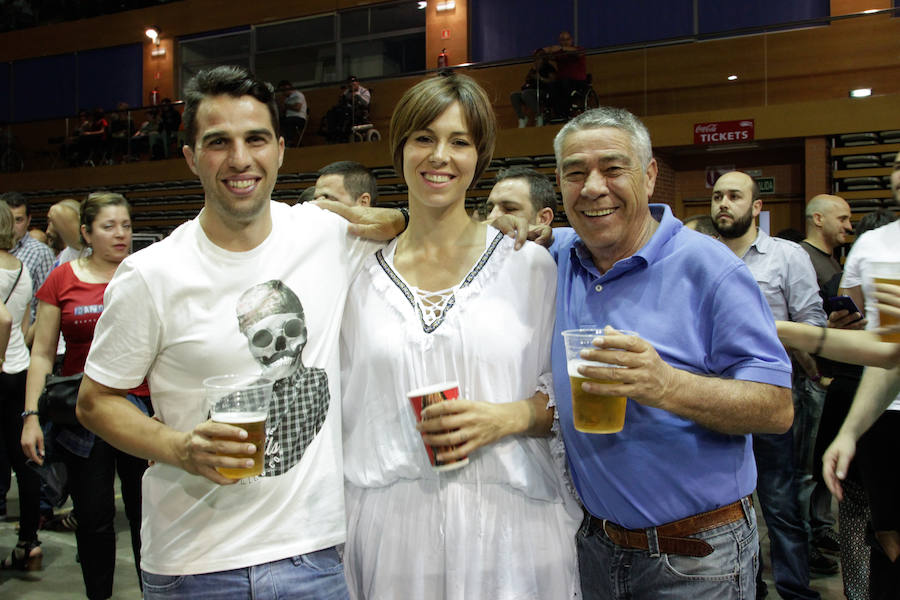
[{"x": 603, "y": 527}]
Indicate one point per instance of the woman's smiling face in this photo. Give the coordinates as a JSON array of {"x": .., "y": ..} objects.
[{"x": 439, "y": 161}]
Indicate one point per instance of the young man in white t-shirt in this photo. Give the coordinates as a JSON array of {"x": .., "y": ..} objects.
[
  {"x": 876, "y": 409},
  {"x": 249, "y": 286}
]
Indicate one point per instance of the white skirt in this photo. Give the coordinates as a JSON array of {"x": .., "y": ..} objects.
[{"x": 450, "y": 540}]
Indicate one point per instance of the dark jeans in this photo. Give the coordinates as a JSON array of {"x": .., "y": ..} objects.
[
  {"x": 815, "y": 499},
  {"x": 292, "y": 128},
  {"x": 777, "y": 491},
  {"x": 91, "y": 485},
  {"x": 12, "y": 403}
]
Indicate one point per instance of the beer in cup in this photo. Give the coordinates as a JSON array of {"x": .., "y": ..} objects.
[
  {"x": 887, "y": 272},
  {"x": 242, "y": 401},
  {"x": 425, "y": 396},
  {"x": 591, "y": 413}
]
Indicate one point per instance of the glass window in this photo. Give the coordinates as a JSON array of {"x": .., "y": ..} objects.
[
  {"x": 305, "y": 66},
  {"x": 381, "y": 19},
  {"x": 396, "y": 17},
  {"x": 375, "y": 41},
  {"x": 314, "y": 30},
  {"x": 355, "y": 23},
  {"x": 384, "y": 57},
  {"x": 215, "y": 48}
]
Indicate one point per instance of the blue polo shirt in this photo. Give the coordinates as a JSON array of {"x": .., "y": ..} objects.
[{"x": 698, "y": 304}]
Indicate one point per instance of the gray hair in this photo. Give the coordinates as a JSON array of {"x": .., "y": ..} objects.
[{"x": 608, "y": 116}]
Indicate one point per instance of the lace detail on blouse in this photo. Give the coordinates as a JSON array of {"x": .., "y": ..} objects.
[
  {"x": 437, "y": 310},
  {"x": 433, "y": 304}
]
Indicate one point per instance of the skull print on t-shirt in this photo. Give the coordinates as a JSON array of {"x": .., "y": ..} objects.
[{"x": 270, "y": 316}]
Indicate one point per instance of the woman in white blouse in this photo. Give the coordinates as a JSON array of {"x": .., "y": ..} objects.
[{"x": 450, "y": 299}]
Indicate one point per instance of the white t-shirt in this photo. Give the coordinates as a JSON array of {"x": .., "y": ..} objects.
[
  {"x": 882, "y": 244},
  {"x": 293, "y": 98},
  {"x": 184, "y": 309},
  {"x": 17, "y": 356}
]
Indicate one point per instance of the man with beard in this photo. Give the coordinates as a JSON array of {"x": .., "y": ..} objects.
[{"x": 788, "y": 281}]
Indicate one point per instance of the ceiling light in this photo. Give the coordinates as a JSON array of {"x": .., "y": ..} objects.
[
  {"x": 860, "y": 92},
  {"x": 870, "y": 11},
  {"x": 152, "y": 33},
  {"x": 422, "y": 5},
  {"x": 732, "y": 77},
  {"x": 445, "y": 5}
]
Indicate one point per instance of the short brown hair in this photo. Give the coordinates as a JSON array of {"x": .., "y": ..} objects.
[{"x": 428, "y": 99}]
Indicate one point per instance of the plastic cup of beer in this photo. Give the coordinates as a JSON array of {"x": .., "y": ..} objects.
[
  {"x": 242, "y": 401},
  {"x": 423, "y": 397},
  {"x": 887, "y": 272},
  {"x": 592, "y": 413}
]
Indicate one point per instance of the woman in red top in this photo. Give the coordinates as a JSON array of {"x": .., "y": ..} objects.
[{"x": 71, "y": 301}]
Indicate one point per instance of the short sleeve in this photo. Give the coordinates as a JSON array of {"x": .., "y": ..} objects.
[
  {"x": 49, "y": 291},
  {"x": 743, "y": 343},
  {"x": 128, "y": 334},
  {"x": 852, "y": 276}
]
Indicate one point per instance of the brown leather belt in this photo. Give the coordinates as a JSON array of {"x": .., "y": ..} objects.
[{"x": 672, "y": 537}]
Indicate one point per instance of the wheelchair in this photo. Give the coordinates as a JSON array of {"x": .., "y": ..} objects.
[{"x": 583, "y": 97}]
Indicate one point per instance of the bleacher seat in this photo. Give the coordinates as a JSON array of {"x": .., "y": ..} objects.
[
  {"x": 890, "y": 137},
  {"x": 861, "y": 183},
  {"x": 859, "y": 139},
  {"x": 860, "y": 161}
]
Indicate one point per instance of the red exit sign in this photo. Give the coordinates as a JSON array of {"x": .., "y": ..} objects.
[{"x": 723, "y": 132}]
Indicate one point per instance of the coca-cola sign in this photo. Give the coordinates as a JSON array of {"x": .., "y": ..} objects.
[{"x": 723, "y": 132}]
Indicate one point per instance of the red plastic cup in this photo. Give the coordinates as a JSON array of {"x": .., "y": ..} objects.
[{"x": 426, "y": 396}]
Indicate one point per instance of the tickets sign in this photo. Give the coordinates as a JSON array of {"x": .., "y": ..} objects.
[{"x": 723, "y": 132}]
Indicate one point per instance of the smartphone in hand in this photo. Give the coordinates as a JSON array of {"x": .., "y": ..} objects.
[{"x": 836, "y": 303}]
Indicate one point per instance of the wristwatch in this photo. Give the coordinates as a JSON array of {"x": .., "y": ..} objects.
[{"x": 28, "y": 413}]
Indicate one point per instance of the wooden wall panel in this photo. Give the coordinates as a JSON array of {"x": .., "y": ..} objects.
[{"x": 456, "y": 22}]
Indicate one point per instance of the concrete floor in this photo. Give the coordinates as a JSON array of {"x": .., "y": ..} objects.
[{"x": 60, "y": 578}]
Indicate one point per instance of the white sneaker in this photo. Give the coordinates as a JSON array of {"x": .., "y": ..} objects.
[
  {"x": 523, "y": 122},
  {"x": 539, "y": 121}
]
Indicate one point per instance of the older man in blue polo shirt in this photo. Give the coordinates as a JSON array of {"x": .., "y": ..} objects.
[{"x": 667, "y": 499}]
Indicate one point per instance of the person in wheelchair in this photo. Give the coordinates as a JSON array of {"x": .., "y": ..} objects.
[
  {"x": 351, "y": 110},
  {"x": 535, "y": 92},
  {"x": 571, "y": 74}
]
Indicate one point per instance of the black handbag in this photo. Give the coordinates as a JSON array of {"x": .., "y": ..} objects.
[{"x": 57, "y": 402}]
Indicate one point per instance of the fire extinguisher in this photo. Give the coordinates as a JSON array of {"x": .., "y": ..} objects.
[
  {"x": 154, "y": 96},
  {"x": 443, "y": 59}
]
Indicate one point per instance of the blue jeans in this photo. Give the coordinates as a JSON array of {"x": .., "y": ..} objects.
[
  {"x": 815, "y": 499},
  {"x": 610, "y": 572},
  {"x": 777, "y": 491},
  {"x": 317, "y": 575}
]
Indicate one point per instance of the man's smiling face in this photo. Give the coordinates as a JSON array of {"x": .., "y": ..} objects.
[{"x": 606, "y": 191}]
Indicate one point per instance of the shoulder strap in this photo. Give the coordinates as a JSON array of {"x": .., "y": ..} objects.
[{"x": 15, "y": 283}]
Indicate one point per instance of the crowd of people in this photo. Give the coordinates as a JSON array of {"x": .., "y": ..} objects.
[
  {"x": 112, "y": 137},
  {"x": 347, "y": 320},
  {"x": 116, "y": 136}
]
